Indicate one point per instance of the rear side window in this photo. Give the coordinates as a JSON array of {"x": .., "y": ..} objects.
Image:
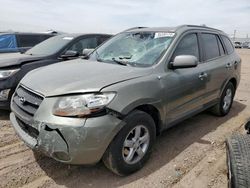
[
  {"x": 102, "y": 39},
  {"x": 210, "y": 46},
  {"x": 187, "y": 46},
  {"x": 228, "y": 44},
  {"x": 44, "y": 37}
]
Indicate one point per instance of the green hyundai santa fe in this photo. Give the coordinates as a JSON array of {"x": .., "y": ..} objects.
[{"x": 112, "y": 106}]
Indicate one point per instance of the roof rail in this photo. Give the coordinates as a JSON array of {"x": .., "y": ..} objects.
[
  {"x": 202, "y": 26},
  {"x": 132, "y": 28}
]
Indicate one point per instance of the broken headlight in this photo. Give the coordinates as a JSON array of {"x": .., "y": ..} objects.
[{"x": 81, "y": 105}]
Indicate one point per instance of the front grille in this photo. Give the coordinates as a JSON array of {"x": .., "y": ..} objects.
[
  {"x": 27, "y": 128},
  {"x": 26, "y": 102}
]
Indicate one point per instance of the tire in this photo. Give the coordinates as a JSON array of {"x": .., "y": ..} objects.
[
  {"x": 238, "y": 161},
  {"x": 117, "y": 156},
  {"x": 219, "y": 109}
]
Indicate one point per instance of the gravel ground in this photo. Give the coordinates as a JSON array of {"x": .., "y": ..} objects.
[{"x": 191, "y": 154}]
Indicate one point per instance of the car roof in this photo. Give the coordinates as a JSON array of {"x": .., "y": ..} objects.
[
  {"x": 82, "y": 34},
  {"x": 25, "y": 33},
  {"x": 74, "y": 35},
  {"x": 180, "y": 28}
]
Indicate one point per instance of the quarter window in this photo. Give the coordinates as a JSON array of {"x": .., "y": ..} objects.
[
  {"x": 228, "y": 45},
  {"x": 188, "y": 46},
  {"x": 210, "y": 46},
  {"x": 222, "y": 51}
]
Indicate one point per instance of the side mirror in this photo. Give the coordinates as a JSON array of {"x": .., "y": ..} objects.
[
  {"x": 184, "y": 61},
  {"x": 69, "y": 54},
  {"x": 23, "y": 50},
  {"x": 86, "y": 52}
]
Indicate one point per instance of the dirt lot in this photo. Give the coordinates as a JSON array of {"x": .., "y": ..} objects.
[{"x": 191, "y": 154}]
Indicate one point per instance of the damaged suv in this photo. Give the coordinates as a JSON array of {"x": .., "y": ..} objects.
[{"x": 137, "y": 84}]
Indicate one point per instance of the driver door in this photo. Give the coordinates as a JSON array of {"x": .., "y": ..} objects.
[{"x": 185, "y": 87}]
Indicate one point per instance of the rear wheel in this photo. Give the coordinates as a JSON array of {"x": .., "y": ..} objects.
[
  {"x": 131, "y": 147},
  {"x": 225, "y": 102},
  {"x": 238, "y": 161}
]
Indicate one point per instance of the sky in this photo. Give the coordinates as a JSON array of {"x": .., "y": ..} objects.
[{"x": 112, "y": 16}]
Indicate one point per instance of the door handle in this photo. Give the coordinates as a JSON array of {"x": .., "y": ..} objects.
[
  {"x": 202, "y": 76},
  {"x": 229, "y": 65}
]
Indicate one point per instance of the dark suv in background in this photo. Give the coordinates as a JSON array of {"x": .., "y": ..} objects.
[
  {"x": 21, "y": 42},
  {"x": 53, "y": 50}
]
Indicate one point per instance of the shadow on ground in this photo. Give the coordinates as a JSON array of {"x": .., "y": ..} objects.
[{"x": 167, "y": 147}]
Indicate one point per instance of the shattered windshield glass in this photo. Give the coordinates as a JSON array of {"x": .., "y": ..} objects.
[{"x": 138, "y": 48}]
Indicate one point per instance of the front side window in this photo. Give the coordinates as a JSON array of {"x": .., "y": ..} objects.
[
  {"x": 210, "y": 46},
  {"x": 228, "y": 44},
  {"x": 134, "y": 48},
  {"x": 187, "y": 46},
  {"x": 89, "y": 43},
  {"x": 8, "y": 43},
  {"x": 27, "y": 40}
]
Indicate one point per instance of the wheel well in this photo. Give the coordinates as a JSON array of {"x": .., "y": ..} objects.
[
  {"x": 234, "y": 82},
  {"x": 154, "y": 113}
]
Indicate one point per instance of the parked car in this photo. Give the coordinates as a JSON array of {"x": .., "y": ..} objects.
[
  {"x": 20, "y": 42},
  {"x": 53, "y": 50},
  {"x": 238, "y": 159},
  {"x": 246, "y": 45},
  {"x": 237, "y": 44},
  {"x": 134, "y": 86}
]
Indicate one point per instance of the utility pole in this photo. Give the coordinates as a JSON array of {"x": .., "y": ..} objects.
[{"x": 234, "y": 34}]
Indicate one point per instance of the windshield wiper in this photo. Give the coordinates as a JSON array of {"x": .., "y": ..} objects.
[{"x": 120, "y": 62}]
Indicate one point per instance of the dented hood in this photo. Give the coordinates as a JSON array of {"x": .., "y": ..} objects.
[
  {"x": 12, "y": 59},
  {"x": 79, "y": 76}
]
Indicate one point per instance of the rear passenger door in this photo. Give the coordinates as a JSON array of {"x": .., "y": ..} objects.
[{"x": 215, "y": 62}]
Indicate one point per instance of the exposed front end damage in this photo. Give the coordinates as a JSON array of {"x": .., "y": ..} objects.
[
  {"x": 68, "y": 140},
  {"x": 73, "y": 145}
]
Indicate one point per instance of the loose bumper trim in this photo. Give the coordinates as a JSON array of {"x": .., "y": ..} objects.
[{"x": 30, "y": 141}]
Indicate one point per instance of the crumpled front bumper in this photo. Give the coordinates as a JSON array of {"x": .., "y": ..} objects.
[{"x": 79, "y": 144}]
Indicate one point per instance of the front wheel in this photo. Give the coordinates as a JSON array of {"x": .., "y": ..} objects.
[
  {"x": 131, "y": 147},
  {"x": 225, "y": 102}
]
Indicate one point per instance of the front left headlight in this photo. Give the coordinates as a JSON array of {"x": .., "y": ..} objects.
[
  {"x": 7, "y": 73},
  {"x": 82, "y": 105}
]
